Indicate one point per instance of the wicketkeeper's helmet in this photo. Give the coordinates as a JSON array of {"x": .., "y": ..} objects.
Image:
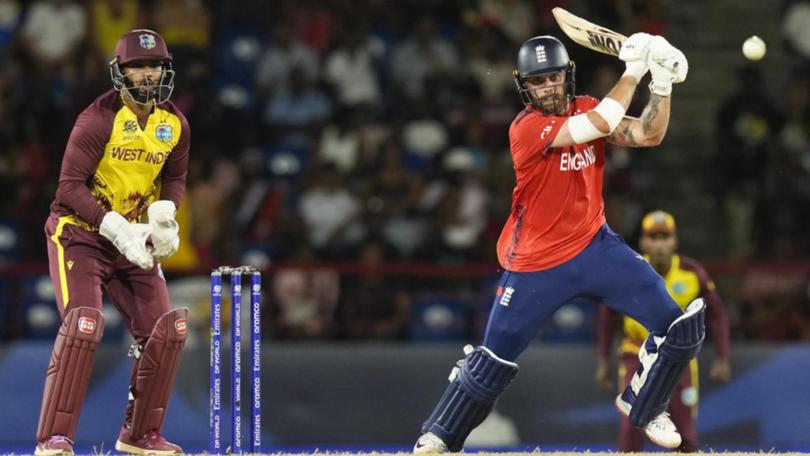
[{"x": 142, "y": 45}]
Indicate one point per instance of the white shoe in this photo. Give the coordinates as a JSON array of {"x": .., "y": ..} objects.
[
  {"x": 429, "y": 443},
  {"x": 661, "y": 430}
]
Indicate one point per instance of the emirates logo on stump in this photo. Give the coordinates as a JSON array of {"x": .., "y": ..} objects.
[{"x": 87, "y": 325}]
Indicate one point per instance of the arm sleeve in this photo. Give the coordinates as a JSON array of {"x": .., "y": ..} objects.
[
  {"x": 718, "y": 324},
  {"x": 173, "y": 186},
  {"x": 84, "y": 150},
  {"x": 605, "y": 325}
]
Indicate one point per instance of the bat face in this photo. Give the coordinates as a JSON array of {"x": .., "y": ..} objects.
[{"x": 588, "y": 34}]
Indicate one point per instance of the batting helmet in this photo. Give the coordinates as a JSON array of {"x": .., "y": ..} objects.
[
  {"x": 539, "y": 55},
  {"x": 142, "y": 45}
]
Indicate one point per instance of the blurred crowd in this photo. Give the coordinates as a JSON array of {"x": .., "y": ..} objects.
[{"x": 362, "y": 131}]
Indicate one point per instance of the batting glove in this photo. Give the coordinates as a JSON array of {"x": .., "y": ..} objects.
[
  {"x": 165, "y": 237},
  {"x": 128, "y": 238},
  {"x": 667, "y": 65},
  {"x": 634, "y": 54}
]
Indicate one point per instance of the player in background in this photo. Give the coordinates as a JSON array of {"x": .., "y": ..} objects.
[
  {"x": 126, "y": 158},
  {"x": 686, "y": 280},
  {"x": 556, "y": 245}
]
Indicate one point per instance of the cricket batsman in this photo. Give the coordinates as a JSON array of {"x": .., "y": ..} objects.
[
  {"x": 556, "y": 245},
  {"x": 122, "y": 177}
]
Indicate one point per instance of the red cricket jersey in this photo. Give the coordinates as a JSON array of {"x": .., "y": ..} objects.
[{"x": 557, "y": 205}]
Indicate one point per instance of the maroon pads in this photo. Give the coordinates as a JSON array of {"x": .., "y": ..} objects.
[
  {"x": 156, "y": 370},
  {"x": 69, "y": 372}
]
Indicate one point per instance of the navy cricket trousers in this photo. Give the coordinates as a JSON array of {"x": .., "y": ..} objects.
[{"x": 607, "y": 270}]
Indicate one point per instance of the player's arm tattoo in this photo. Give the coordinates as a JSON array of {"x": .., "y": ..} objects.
[
  {"x": 650, "y": 113},
  {"x": 623, "y": 135}
]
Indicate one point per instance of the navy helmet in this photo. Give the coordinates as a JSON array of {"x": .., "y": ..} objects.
[{"x": 539, "y": 55}]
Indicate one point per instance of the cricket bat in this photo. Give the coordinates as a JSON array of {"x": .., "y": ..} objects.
[{"x": 588, "y": 34}]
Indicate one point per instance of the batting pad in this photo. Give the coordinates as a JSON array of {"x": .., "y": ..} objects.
[
  {"x": 69, "y": 372},
  {"x": 469, "y": 397},
  {"x": 156, "y": 370},
  {"x": 653, "y": 383}
]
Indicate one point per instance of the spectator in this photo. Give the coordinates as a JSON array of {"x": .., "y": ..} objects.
[
  {"x": 306, "y": 298},
  {"x": 373, "y": 306},
  {"x": 52, "y": 32},
  {"x": 109, "y": 19},
  {"x": 297, "y": 110},
  {"x": 186, "y": 24},
  {"x": 398, "y": 221},
  {"x": 284, "y": 53},
  {"x": 747, "y": 125},
  {"x": 314, "y": 23},
  {"x": 796, "y": 31},
  {"x": 331, "y": 213},
  {"x": 421, "y": 56},
  {"x": 515, "y": 18},
  {"x": 340, "y": 143},
  {"x": 9, "y": 22},
  {"x": 352, "y": 68}
]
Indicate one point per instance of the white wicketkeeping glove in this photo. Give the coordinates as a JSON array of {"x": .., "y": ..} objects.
[
  {"x": 634, "y": 54},
  {"x": 667, "y": 64},
  {"x": 128, "y": 238},
  {"x": 165, "y": 237}
]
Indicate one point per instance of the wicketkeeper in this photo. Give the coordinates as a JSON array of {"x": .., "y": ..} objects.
[{"x": 123, "y": 176}]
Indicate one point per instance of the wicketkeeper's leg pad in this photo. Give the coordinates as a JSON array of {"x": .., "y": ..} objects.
[
  {"x": 662, "y": 360},
  {"x": 474, "y": 386},
  {"x": 69, "y": 372},
  {"x": 155, "y": 370}
]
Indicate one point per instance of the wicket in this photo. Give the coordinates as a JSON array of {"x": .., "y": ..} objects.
[{"x": 215, "y": 392}]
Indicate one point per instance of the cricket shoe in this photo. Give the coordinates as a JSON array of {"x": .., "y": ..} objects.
[
  {"x": 151, "y": 443},
  {"x": 429, "y": 443},
  {"x": 55, "y": 445},
  {"x": 661, "y": 430}
]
